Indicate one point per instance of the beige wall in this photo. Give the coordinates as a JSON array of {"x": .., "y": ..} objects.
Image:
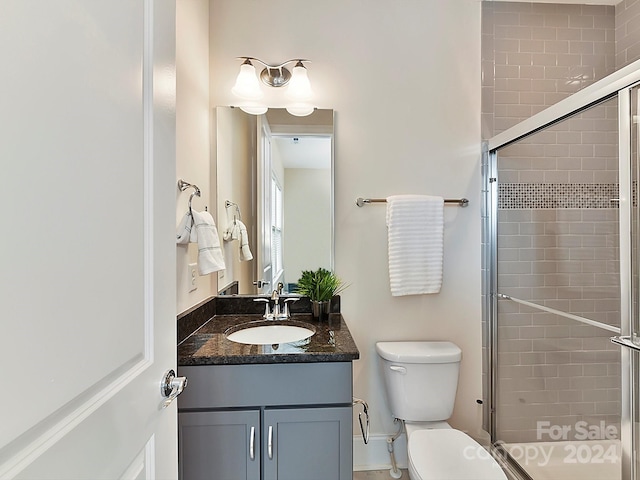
[
  {"x": 234, "y": 141},
  {"x": 307, "y": 243},
  {"x": 192, "y": 134},
  {"x": 403, "y": 78}
]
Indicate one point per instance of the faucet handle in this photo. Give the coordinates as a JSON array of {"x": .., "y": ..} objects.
[
  {"x": 266, "y": 315},
  {"x": 286, "y": 313}
]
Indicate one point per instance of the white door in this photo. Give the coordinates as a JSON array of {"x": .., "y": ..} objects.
[
  {"x": 87, "y": 201},
  {"x": 264, "y": 272}
]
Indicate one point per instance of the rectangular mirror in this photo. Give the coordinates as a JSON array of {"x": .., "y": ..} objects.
[{"x": 275, "y": 177}]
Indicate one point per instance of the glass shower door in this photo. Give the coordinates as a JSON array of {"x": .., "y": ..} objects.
[
  {"x": 629, "y": 338},
  {"x": 558, "y": 385}
]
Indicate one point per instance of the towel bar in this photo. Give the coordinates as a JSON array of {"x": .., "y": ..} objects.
[{"x": 460, "y": 202}]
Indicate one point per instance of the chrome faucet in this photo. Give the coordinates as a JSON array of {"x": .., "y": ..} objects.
[
  {"x": 276, "y": 313},
  {"x": 275, "y": 297}
]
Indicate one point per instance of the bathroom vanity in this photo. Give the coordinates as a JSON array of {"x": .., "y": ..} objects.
[{"x": 279, "y": 411}]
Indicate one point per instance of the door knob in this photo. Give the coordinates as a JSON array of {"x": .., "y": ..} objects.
[
  {"x": 261, "y": 283},
  {"x": 171, "y": 386}
]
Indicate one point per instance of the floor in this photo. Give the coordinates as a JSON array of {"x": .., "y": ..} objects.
[
  {"x": 585, "y": 460},
  {"x": 378, "y": 475}
]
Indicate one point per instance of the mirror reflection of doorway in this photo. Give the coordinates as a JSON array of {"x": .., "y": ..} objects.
[
  {"x": 303, "y": 235},
  {"x": 296, "y": 222}
]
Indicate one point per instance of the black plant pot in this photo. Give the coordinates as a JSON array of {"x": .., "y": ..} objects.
[{"x": 320, "y": 310}]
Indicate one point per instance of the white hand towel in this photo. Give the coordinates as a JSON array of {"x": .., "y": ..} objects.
[
  {"x": 232, "y": 232},
  {"x": 415, "y": 234},
  {"x": 209, "y": 252},
  {"x": 238, "y": 231},
  {"x": 183, "y": 234},
  {"x": 245, "y": 252}
]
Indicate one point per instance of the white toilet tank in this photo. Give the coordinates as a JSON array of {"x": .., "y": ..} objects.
[{"x": 421, "y": 378}]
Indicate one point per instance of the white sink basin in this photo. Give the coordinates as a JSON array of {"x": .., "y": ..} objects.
[{"x": 262, "y": 333}]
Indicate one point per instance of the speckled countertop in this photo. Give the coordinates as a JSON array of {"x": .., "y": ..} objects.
[{"x": 207, "y": 345}]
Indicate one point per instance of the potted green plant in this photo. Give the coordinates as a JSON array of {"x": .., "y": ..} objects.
[{"x": 320, "y": 286}]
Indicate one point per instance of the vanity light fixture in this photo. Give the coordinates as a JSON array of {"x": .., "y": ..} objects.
[{"x": 248, "y": 89}]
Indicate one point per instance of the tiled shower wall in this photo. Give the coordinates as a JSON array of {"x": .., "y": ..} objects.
[
  {"x": 534, "y": 55},
  {"x": 627, "y": 32},
  {"x": 558, "y": 228}
]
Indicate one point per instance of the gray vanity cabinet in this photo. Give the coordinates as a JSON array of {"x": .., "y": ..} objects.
[
  {"x": 219, "y": 445},
  {"x": 298, "y": 417},
  {"x": 307, "y": 443}
]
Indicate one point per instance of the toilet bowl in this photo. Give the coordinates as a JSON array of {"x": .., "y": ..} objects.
[
  {"x": 421, "y": 380},
  {"x": 449, "y": 454}
]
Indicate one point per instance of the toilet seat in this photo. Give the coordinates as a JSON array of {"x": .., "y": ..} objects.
[{"x": 448, "y": 454}]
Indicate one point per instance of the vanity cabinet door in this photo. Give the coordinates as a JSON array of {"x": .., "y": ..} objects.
[
  {"x": 308, "y": 443},
  {"x": 219, "y": 445}
]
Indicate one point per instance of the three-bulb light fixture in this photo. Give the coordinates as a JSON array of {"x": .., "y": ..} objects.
[{"x": 298, "y": 92}]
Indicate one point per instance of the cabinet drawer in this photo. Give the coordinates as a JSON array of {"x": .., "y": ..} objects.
[{"x": 223, "y": 386}]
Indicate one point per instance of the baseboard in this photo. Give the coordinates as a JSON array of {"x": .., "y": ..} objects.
[{"x": 375, "y": 455}]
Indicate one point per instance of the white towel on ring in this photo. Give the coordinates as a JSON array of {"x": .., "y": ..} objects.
[
  {"x": 245, "y": 251},
  {"x": 185, "y": 230},
  {"x": 210, "y": 257},
  {"x": 415, "y": 242},
  {"x": 238, "y": 231}
]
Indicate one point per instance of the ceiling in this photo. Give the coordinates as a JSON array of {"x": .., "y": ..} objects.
[
  {"x": 579, "y": 2},
  {"x": 303, "y": 151}
]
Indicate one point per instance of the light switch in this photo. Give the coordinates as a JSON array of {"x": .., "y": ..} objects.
[{"x": 192, "y": 277}]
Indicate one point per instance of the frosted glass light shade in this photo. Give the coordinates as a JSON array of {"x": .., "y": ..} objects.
[
  {"x": 299, "y": 89},
  {"x": 253, "y": 108},
  {"x": 300, "y": 109},
  {"x": 247, "y": 85}
]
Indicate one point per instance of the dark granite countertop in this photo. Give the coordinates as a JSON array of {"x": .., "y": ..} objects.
[{"x": 208, "y": 345}]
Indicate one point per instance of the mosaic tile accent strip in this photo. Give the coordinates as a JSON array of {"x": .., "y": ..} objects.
[{"x": 557, "y": 195}]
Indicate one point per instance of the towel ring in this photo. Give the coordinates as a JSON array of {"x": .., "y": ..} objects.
[
  {"x": 229, "y": 203},
  {"x": 182, "y": 185}
]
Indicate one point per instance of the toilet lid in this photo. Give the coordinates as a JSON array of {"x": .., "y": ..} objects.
[{"x": 447, "y": 454}]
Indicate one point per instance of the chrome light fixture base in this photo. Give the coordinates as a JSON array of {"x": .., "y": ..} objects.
[{"x": 275, "y": 75}]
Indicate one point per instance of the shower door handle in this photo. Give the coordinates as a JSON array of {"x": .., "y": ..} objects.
[{"x": 626, "y": 341}]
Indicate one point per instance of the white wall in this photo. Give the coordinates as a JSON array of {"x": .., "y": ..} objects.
[
  {"x": 192, "y": 134},
  {"x": 404, "y": 80}
]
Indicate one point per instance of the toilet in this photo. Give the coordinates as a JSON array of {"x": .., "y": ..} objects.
[{"x": 421, "y": 379}]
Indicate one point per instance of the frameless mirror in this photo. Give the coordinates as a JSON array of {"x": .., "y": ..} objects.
[{"x": 274, "y": 175}]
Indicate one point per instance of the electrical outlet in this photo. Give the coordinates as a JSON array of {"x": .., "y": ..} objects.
[{"x": 192, "y": 277}]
